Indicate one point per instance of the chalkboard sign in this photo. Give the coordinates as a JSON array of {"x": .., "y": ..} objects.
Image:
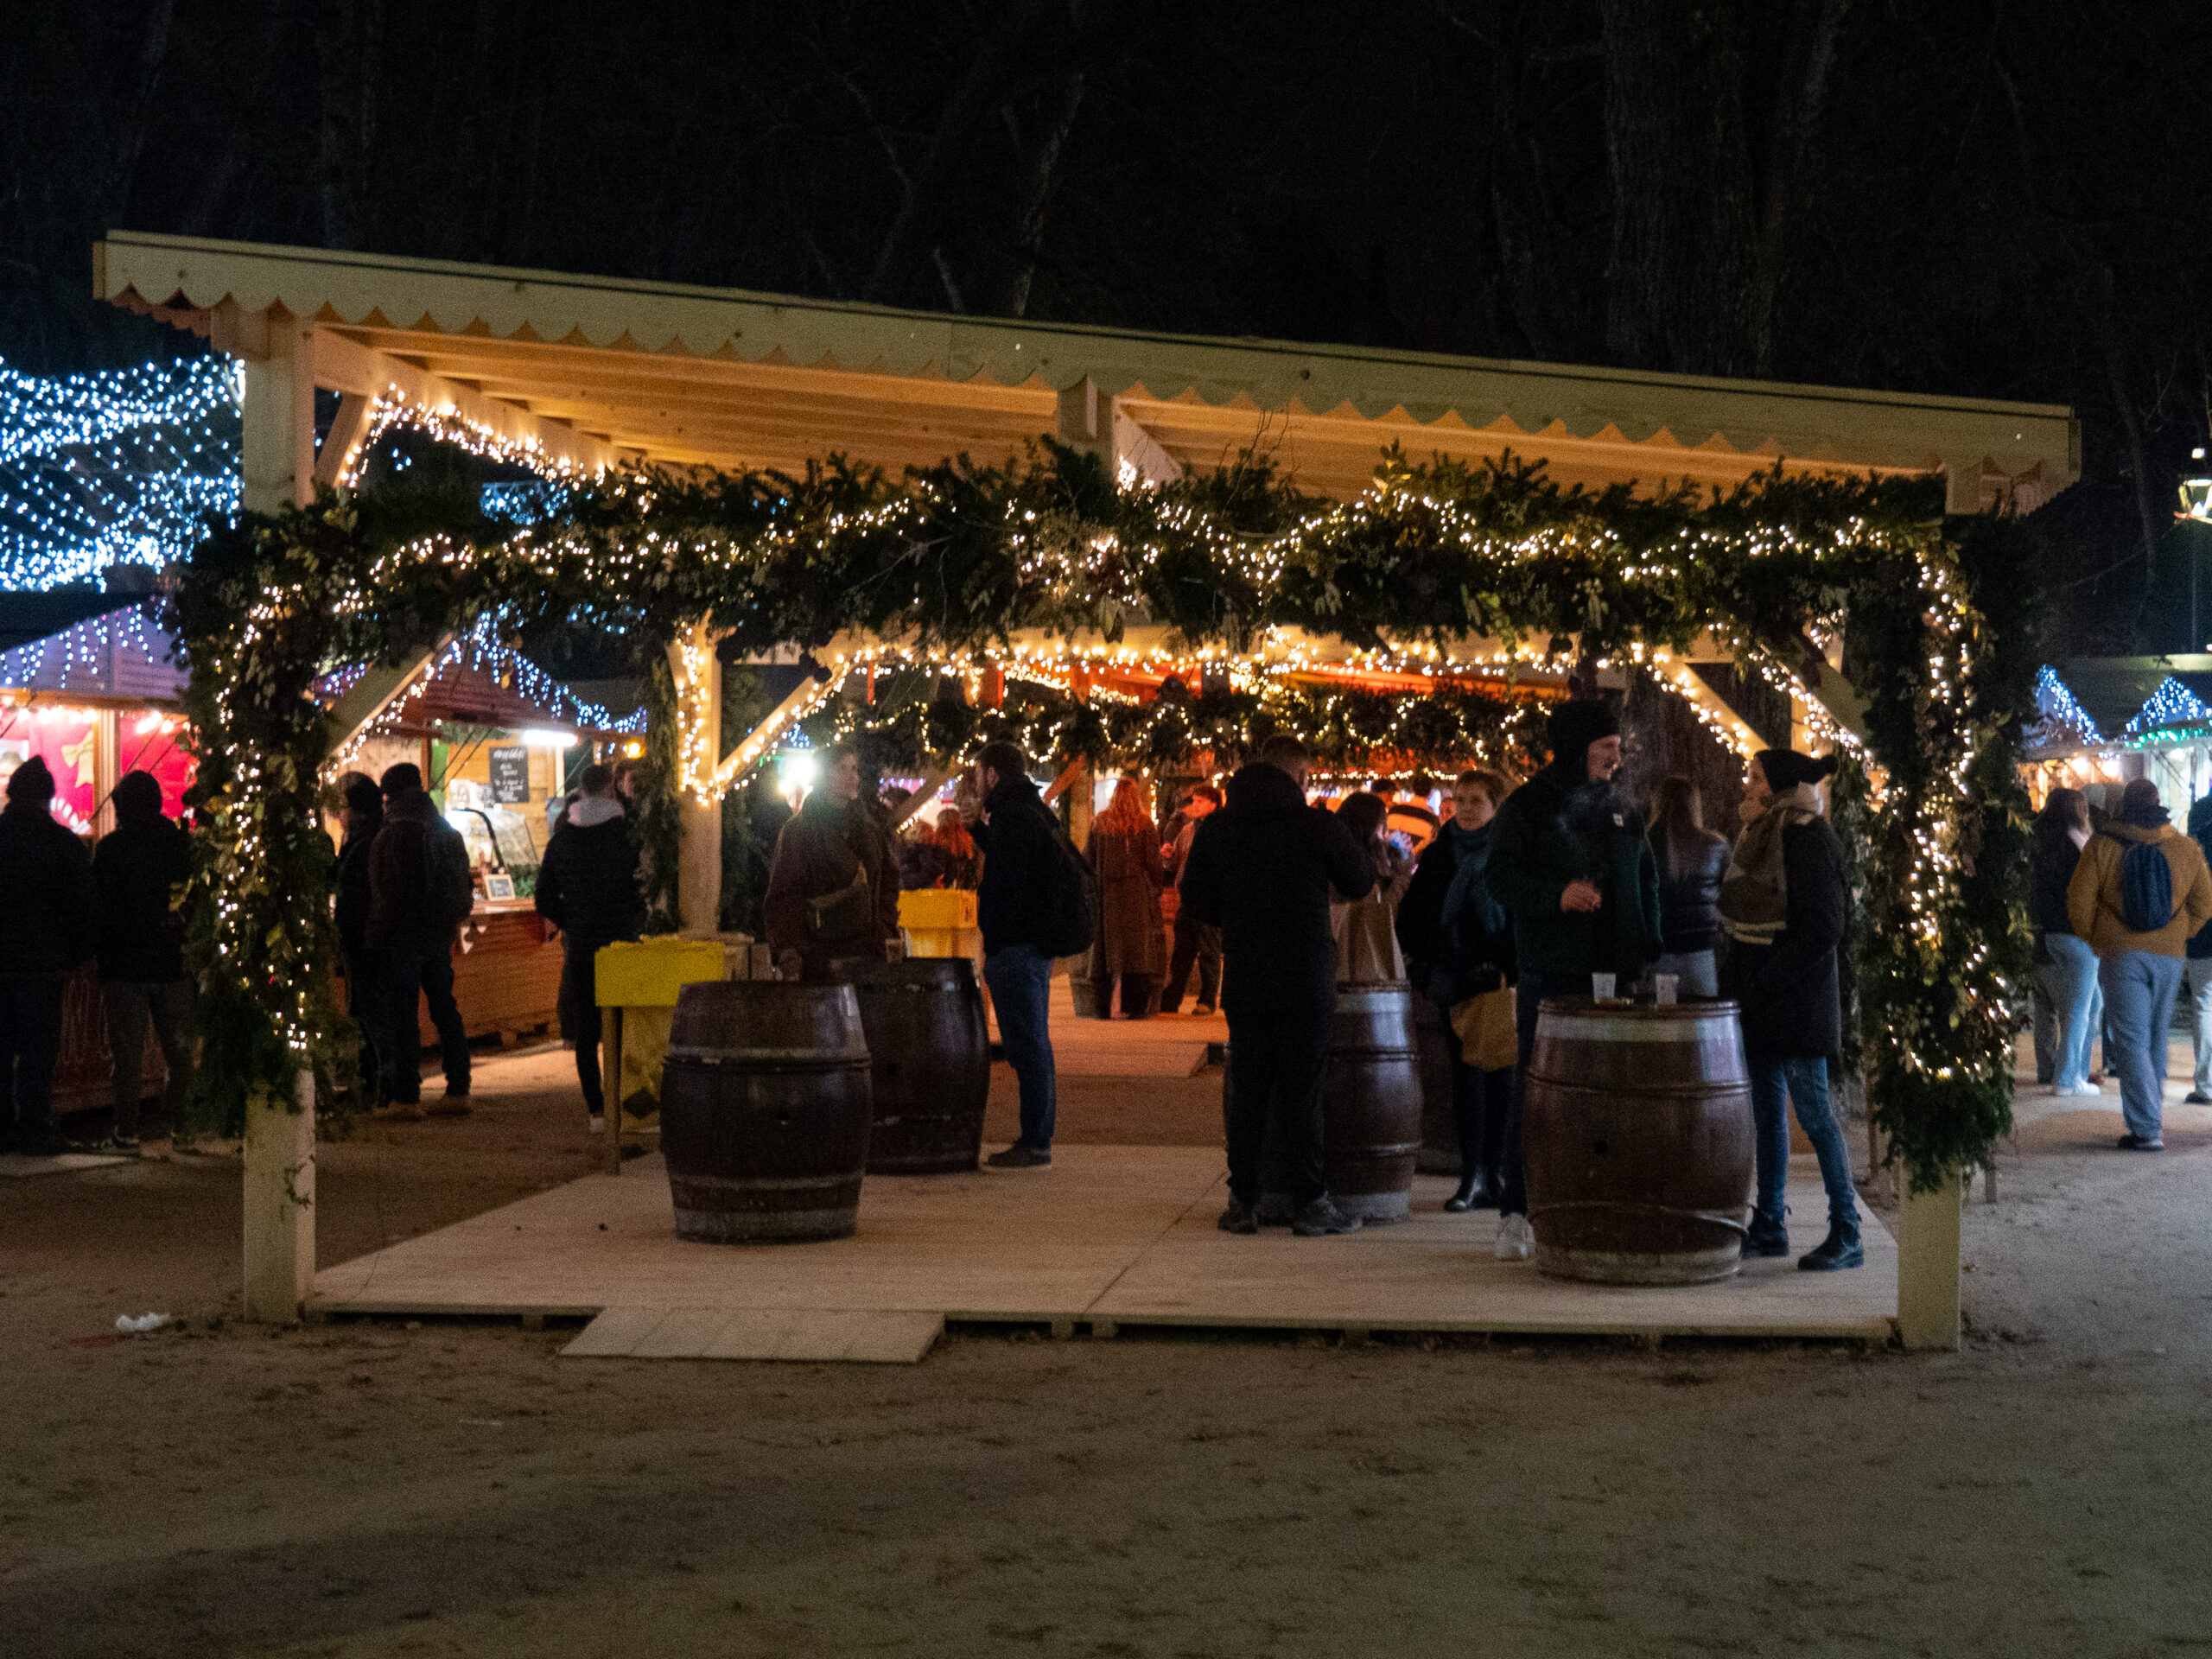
[{"x": 510, "y": 776}]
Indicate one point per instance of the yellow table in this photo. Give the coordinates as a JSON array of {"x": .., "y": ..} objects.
[{"x": 637, "y": 983}]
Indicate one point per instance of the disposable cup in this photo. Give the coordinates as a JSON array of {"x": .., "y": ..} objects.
[
  {"x": 1663, "y": 986},
  {"x": 1601, "y": 987}
]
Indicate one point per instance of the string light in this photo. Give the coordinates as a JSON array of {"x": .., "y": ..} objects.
[{"x": 2171, "y": 705}]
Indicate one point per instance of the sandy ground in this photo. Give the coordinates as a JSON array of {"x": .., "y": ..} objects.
[{"x": 376, "y": 1488}]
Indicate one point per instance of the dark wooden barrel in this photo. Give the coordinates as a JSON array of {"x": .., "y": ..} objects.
[
  {"x": 764, "y": 1111},
  {"x": 1439, "y": 1131},
  {"x": 1370, "y": 1108},
  {"x": 1637, "y": 1142},
  {"x": 931, "y": 1057}
]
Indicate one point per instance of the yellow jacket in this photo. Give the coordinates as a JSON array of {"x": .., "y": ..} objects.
[{"x": 2092, "y": 897}]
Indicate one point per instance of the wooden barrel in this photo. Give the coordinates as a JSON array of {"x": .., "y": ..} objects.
[
  {"x": 1637, "y": 1142},
  {"x": 764, "y": 1111},
  {"x": 931, "y": 1060},
  {"x": 1439, "y": 1130},
  {"x": 1371, "y": 1108}
]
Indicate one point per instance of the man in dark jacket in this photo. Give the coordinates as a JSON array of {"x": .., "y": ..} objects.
[
  {"x": 1197, "y": 945},
  {"x": 1261, "y": 869},
  {"x": 1570, "y": 860},
  {"x": 410, "y": 948},
  {"x": 138, "y": 869},
  {"x": 587, "y": 887},
  {"x": 833, "y": 886},
  {"x": 361, "y": 818},
  {"x": 1022, "y": 862},
  {"x": 45, "y": 928}
]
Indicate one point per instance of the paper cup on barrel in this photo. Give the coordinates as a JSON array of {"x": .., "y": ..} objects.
[
  {"x": 1664, "y": 987},
  {"x": 1601, "y": 987}
]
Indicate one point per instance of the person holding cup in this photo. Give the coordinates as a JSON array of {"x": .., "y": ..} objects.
[{"x": 1570, "y": 860}]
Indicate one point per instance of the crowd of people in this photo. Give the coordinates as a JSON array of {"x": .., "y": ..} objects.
[{"x": 2121, "y": 905}]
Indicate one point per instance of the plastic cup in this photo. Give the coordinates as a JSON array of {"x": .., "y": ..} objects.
[
  {"x": 1601, "y": 987},
  {"x": 1663, "y": 986}
]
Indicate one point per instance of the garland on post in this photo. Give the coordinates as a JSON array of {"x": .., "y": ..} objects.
[{"x": 957, "y": 558}]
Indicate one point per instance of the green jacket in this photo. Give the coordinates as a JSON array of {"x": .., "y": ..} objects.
[{"x": 1548, "y": 834}]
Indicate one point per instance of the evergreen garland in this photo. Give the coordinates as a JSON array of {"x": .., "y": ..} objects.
[{"x": 957, "y": 558}]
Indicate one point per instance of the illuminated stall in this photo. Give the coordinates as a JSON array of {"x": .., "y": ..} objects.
[{"x": 2106, "y": 720}]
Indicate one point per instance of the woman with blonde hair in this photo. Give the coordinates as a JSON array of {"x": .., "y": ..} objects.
[{"x": 1131, "y": 944}]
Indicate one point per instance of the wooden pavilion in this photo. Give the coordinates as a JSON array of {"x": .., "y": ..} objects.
[{"x": 573, "y": 375}]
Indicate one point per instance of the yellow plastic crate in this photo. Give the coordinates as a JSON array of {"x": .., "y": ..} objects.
[
  {"x": 944, "y": 942},
  {"x": 648, "y": 973},
  {"x": 934, "y": 908}
]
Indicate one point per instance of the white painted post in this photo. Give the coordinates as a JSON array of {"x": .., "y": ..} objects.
[
  {"x": 1928, "y": 1266},
  {"x": 278, "y": 417},
  {"x": 280, "y": 1207}
]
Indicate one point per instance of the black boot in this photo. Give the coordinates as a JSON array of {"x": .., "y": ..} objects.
[
  {"x": 1841, "y": 1248},
  {"x": 1767, "y": 1235},
  {"x": 1477, "y": 1187}
]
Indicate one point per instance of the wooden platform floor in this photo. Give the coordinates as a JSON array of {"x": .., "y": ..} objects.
[
  {"x": 1108, "y": 1236},
  {"x": 1166, "y": 1045}
]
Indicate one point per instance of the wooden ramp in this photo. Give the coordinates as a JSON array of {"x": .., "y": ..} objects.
[{"x": 1106, "y": 1237}]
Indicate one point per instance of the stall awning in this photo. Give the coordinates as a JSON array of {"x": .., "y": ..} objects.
[{"x": 601, "y": 369}]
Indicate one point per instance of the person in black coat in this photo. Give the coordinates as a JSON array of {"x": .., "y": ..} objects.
[
  {"x": 1692, "y": 861},
  {"x": 1459, "y": 943},
  {"x": 1019, "y": 840},
  {"x": 1262, "y": 869},
  {"x": 361, "y": 816},
  {"x": 587, "y": 887},
  {"x": 138, "y": 869},
  {"x": 47, "y": 927},
  {"x": 1782, "y": 908}
]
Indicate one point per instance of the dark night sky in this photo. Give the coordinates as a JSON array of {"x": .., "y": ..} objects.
[{"x": 1973, "y": 197}]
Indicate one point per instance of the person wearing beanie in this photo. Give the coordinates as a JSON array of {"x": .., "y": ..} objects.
[
  {"x": 2139, "y": 894},
  {"x": 420, "y": 889},
  {"x": 47, "y": 928},
  {"x": 361, "y": 816},
  {"x": 1570, "y": 860},
  {"x": 1782, "y": 910},
  {"x": 139, "y": 869}
]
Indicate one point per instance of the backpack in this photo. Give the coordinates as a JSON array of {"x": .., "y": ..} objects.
[
  {"x": 1070, "y": 899},
  {"x": 448, "y": 882},
  {"x": 2146, "y": 888}
]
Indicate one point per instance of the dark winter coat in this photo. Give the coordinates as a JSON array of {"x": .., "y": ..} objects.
[
  {"x": 1689, "y": 899},
  {"x": 1261, "y": 869},
  {"x": 824, "y": 846},
  {"x": 138, "y": 868},
  {"x": 399, "y": 925},
  {"x": 49, "y": 907},
  {"x": 352, "y": 908},
  {"x": 2050, "y": 872},
  {"x": 1790, "y": 991},
  {"x": 1450, "y": 964},
  {"x": 1556, "y": 828},
  {"x": 587, "y": 885},
  {"x": 1132, "y": 938},
  {"x": 1021, "y": 862}
]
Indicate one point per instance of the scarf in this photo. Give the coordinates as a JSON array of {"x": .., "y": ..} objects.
[
  {"x": 1754, "y": 894},
  {"x": 1469, "y": 906}
]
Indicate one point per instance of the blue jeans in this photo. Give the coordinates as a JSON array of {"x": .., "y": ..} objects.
[
  {"x": 399, "y": 1055},
  {"x": 2140, "y": 987},
  {"x": 2070, "y": 981},
  {"x": 1803, "y": 1084},
  {"x": 1021, "y": 978}
]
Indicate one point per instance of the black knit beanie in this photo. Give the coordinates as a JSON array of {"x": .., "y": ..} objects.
[
  {"x": 1575, "y": 725},
  {"x": 31, "y": 782},
  {"x": 1786, "y": 768}
]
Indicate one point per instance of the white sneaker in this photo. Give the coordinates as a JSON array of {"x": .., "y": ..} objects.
[
  {"x": 1514, "y": 1241},
  {"x": 598, "y": 1124}
]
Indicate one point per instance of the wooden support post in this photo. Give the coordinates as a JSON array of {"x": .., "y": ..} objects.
[
  {"x": 1928, "y": 1268},
  {"x": 276, "y": 421},
  {"x": 698, "y": 673},
  {"x": 280, "y": 1207}
]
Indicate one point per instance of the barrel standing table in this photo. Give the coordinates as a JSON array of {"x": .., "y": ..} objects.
[
  {"x": 1370, "y": 1108},
  {"x": 764, "y": 1112},
  {"x": 930, "y": 1055},
  {"x": 1637, "y": 1142}
]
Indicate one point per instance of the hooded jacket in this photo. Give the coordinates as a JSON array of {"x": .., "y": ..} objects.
[
  {"x": 46, "y": 923},
  {"x": 587, "y": 885},
  {"x": 2093, "y": 896},
  {"x": 138, "y": 868},
  {"x": 1558, "y": 828},
  {"x": 1262, "y": 869}
]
